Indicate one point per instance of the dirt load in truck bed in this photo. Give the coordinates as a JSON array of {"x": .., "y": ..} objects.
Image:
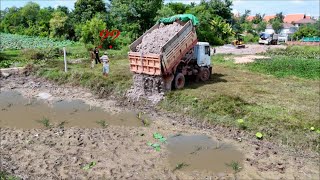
[{"x": 152, "y": 42}]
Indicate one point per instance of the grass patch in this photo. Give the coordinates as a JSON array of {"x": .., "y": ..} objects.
[
  {"x": 282, "y": 66},
  {"x": 118, "y": 81},
  {"x": 6, "y": 176}
]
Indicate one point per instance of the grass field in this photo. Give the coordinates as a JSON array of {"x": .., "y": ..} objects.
[{"x": 278, "y": 97}]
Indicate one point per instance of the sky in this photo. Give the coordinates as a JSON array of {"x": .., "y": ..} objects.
[{"x": 268, "y": 7}]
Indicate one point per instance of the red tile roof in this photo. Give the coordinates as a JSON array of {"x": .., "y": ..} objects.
[
  {"x": 294, "y": 17},
  {"x": 268, "y": 17},
  {"x": 250, "y": 18}
]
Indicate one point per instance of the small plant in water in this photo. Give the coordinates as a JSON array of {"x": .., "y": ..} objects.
[
  {"x": 102, "y": 123},
  {"x": 180, "y": 166},
  {"x": 45, "y": 122},
  {"x": 235, "y": 166}
]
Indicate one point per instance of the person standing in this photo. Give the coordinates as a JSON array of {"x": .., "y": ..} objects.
[
  {"x": 92, "y": 57},
  {"x": 96, "y": 52},
  {"x": 105, "y": 62}
]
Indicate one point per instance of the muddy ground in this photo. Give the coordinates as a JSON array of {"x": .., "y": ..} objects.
[{"x": 121, "y": 152}]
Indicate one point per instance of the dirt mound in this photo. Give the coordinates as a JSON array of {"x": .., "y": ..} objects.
[
  {"x": 147, "y": 87},
  {"x": 152, "y": 42}
]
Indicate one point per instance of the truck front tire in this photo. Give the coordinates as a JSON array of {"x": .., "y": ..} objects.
[
  {"x": 204, "y": 74},
  {"x": 179, "y": 81}
]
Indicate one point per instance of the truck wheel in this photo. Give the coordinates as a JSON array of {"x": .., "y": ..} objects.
[
  {"x": 204, "y": 74},
  {"x": 179, "y": 81}
]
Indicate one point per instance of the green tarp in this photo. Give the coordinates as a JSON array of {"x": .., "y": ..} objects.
[{"x": 181, "y": 17}]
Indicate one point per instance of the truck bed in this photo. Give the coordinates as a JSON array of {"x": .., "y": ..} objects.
[{"x": 170, "y": 56}]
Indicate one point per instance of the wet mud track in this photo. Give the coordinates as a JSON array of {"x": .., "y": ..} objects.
[{"x": 122, "y": 152}]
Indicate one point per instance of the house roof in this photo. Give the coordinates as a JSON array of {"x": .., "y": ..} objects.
[
  {"x": 268, "y": 17},
  {"x": 305, "y": 21},
  {"x": 290, "y": 18},
  {"x": 287, "y": 25},
  {"x": 250, "y": 18}
]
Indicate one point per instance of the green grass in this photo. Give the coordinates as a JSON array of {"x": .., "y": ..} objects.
[
  {"x": 118, "y": 81},
  {"x": 6, "y": 176},
  {"x": 288, "y": 66}
]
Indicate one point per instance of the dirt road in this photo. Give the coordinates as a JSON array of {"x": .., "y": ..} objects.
[
  {"x": 122, "y": 152},
  {"x": 249, "y": 49}
]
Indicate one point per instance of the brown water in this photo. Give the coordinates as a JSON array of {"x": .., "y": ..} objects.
[
  {"x": 199, "y": 152},
  {"x": 19, "y": 112}
]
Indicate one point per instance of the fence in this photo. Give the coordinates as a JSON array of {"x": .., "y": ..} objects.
[{"x": 308, "y": 41}]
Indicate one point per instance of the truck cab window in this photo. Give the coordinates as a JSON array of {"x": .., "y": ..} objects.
[{"x": 207, "y": 50}]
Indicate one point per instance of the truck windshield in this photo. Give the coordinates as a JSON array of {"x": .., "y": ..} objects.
[{"x": 264, "y": 35}]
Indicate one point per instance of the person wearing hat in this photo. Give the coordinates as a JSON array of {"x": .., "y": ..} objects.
[{"x": 105, "y": 62}]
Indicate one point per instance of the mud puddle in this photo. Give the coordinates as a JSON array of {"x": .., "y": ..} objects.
[
  {"x": 199, "y": 152},
  {"x": 19, "y": 112}
]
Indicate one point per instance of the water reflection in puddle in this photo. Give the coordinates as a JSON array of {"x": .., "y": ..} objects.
[
  {"x": 199, "y": 152},
  {"x": 17, "y": 111}
]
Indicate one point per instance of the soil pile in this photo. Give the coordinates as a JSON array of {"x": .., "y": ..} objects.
[
  {"x": 152, "y": 42},
  {"x": 147, "y": 87}
]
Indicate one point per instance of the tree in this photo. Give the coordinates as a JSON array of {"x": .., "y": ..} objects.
[
  {"x": 277, "y": 25},
  {"x": 90, "y": 31},
  {"x": 30, "y": 13},
  {"x": 309, "y": 30},
  {"x": 220, "y": 8},
  {"x": 134, "y": 16},
  {"x": 257, "y": 18},
  {"x": 261, "y": 26},
  {"x": 178, "y": 7},
  {"x": 279, "y": 17},
  {"x": 165, "y": 11},
  {"x": 63, "y": 9},
  {"x": 85, "y": 10},
  {"x": 57, "y": 24}
]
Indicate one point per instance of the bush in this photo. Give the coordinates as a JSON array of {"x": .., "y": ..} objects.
[{"x": 32, "y": 54}]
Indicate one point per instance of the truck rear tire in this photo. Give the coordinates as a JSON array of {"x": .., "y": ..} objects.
[{"x": 179, "y": 81}]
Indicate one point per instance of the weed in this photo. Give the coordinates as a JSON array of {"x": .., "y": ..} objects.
[
  {"x": 45, "y": 122},
  {"x": 241, "y": 124},
  {"x": 180, "y": 166},
  {"x": 235, "y": 166},
  {"x": 146, "y": 122},
  {"x": 62, "y": 124},
  {"x": 102, "y": 123},
  {"x": 89, "y": 166},
  {"x": 6, "y": 176}
]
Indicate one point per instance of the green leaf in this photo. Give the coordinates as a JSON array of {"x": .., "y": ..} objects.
[
  {"x": 89, "y": 166},
  {"x": 155, "y": 145},
  {"x": 157, "y": 148},
  {"x": 157, "y": 136},
  {"x": 149, "y": 144},
  {"x": 318, "y": 131},
  {"x": 163, "y": 139},
  {"x": 259, "y": 135},
  {"x": 240, "y": 121}
]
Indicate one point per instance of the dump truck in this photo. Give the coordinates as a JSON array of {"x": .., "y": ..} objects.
[{"x": 182, "y": 56}]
